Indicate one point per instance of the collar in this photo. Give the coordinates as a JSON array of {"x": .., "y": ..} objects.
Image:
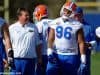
[{"x": 21, "y": 25}]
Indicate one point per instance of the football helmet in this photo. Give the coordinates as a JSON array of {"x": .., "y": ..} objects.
[
  {"x": 68, "y": 10},
  {"x": 40, "y": 12}
]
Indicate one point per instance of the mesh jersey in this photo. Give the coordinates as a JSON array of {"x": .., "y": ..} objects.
[
  {"x": 43, "y": 29},
  {"x": 65, "y": 36}
]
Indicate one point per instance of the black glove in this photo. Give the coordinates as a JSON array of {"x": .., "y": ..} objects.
[{"x": 11, "y": 58}]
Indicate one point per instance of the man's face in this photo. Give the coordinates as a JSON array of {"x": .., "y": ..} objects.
[
  {"x": 67, "y": 12},
  {"x": 24, "y": 17},
  {"x": 79, "y": 17}
]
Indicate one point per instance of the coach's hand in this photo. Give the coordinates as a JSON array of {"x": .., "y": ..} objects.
[
  {"x": 11, "y": 58},
  {"x": 52, "y": 57}
]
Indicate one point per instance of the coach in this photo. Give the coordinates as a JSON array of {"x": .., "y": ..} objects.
[{"x": 25, "y": 44}]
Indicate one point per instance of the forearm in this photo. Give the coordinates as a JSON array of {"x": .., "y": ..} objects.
[
  {"x": 6, "y": 37},
  {"x": 82, "y": 52},
  {"x": 82, "y": 47},
  {"x": 50, "y": 43}
]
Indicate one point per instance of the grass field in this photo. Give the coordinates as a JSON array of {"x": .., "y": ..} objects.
[{"x": 95, "y": 64}]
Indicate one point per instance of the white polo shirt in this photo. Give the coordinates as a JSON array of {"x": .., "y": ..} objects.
[{"x": 24, "y": 40}]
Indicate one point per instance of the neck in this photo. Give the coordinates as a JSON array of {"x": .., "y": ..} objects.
[
  {"x": 23, "y": 23},
  {"x": 65, "y": 20}
]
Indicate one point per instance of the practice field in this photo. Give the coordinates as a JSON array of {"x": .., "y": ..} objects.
[{"x": 95, "y": 64}]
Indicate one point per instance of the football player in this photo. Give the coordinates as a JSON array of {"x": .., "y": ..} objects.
[
  {"x": 64, "y": 37},
  {"x": 4, "y": 34},
  {"x": 41, "y": 16},
  {"x": 89, "y": 37}
]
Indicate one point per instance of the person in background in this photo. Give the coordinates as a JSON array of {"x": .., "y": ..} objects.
[
  {"x": 25, "y": 43},
  {"x": 90, "y": 42},
  {"x": 4, "y": 48},
  {"x": 41, "y": 16}
]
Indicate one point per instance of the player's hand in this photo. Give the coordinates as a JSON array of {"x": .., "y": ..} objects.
[
  {"x": 82, "y": 69},
  {"x": 10, "y": 58},
  {"x": 52, "y": 57},
  {"x": 87, "y": 45},
  {"x": 6, "y": 66},
  {"x": 49, "y": 51},
  {"x": 93, "y": 45}
]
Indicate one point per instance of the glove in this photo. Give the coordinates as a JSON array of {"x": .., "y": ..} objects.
[
  {"x": 82, "y": 69},
  {"x": 93, "y": 45},
  {"x": 10, "y": 58},
  {"x": 52, "y": 57}
]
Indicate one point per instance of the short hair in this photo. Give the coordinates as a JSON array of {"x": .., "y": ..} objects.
[{"x": 22, "y": 9}]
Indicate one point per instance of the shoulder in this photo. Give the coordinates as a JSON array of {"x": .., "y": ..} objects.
[
  {"x": 44, "y": 21},
  {"x": 77, "y": 23},
  {"x": 14, "y": 25},
  {"x": 55, "y": 22},
  {"x": 33, "y": 26}
]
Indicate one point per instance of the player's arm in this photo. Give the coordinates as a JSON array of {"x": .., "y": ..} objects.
[
  {"x": 51, "y": 39},
  {"x": 6, "y": 37},
  {"x": 8, "y": 46},
  {"x": 81, "y": 43}
]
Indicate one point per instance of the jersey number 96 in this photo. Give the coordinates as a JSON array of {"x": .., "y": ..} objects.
[{"x": 63, "y": 32}]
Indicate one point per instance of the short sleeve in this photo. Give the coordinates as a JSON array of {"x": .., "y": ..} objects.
[
  {"x": 80, "y": 25},
  {"x": 52, "y": 25}
]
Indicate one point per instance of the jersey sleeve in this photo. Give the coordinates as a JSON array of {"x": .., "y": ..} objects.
[
  {"x": 52, "y": 25},
  {"x": 80, "y": 25}
]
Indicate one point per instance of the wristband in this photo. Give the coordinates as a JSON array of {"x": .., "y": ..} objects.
[
  {"x": 49, "y": 51},
  {"x": 9, "y": 49},
  {"x": 83, "y": 58}
]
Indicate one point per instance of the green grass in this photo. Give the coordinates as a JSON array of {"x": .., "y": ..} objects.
[{"x": 95, "y": 64}]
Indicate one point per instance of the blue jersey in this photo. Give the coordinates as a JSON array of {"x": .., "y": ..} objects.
[{"x": 88, "y": 32}]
